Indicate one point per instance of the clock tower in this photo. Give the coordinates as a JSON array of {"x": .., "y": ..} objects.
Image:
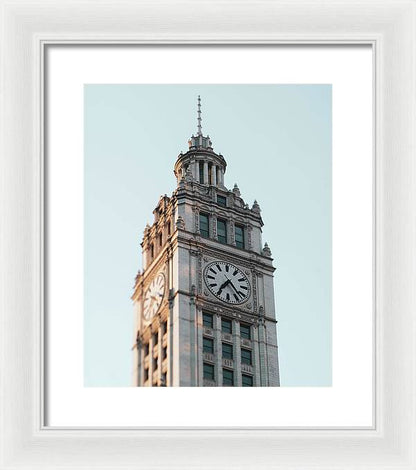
[{"x": 204, "y": 307}]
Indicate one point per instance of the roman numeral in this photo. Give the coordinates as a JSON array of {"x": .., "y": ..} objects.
[
  {"x": 243, "y": 287},
  {"x": 236, "y": 297},
  {"x": 212, "y": 270},
  {"x": 241, "y": 279},
  {"x": 241, "y": 293},
  {"x": 218, "y": 267},
  {"x": 227, "y": 268},
  {"x": 235, "y": 272},
  {"x": 210, "y": 277},
  {"x": 228, "y": 296},
  {"x": 212, "y": 285}
]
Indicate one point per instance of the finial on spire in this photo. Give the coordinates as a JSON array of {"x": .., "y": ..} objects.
[{"x": 199, "y": 116}]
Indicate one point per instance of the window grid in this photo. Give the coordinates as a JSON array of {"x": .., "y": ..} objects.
[
  {"x": 226, "y": 326},
  {"x": 227, "y": 378},
  {"x": 246, "y": 357},
  {"x": 204, "y": 225},
  {"x": 209, "y": 372},
  {"x": 227, "y": 351},
  {"x": 245, "y": 331},
  {"x": 222, "y": 231},
  {"x": 222, "y": 201},
  {"x": 201, "y": 172},
  {"x": 208, "y": 345},
  {"x": 239, "y": 236},
  {"x": 247, "y": 380},
  {"x": 207, "y": 320}
]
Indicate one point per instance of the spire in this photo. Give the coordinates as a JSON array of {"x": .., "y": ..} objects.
[
  {"x": 199, "y": 140},
  {"x": 199, "y": 116}
]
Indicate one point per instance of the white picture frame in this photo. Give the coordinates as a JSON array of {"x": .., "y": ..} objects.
[{"x": 27, "y": 28}]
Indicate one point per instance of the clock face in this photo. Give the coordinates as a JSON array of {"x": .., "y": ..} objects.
[
  {"x": 227, "y": 282},
  {"x": 154, "y": 296}
]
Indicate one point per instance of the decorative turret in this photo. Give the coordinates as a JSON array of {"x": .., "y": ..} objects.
[
  {"x": 266, "y": 251},
  {"x": 255, "y": 207},
  {"x": 236, "y": 190},
  {"x": 200, "y": 163}
]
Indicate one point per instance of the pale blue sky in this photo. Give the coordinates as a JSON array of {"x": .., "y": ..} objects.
[{"x": 277, "y": 142}]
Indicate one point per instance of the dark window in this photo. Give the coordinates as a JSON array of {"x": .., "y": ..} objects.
[
  {"x": 222, "y": 201},
  {"x": 155, "y": 363},
  {"x": 210, "y": 174},
  {"x": 245, "y": 331},
  {"x": 247, "y": 380},
  {"x": 155, "y": 338},
  {"x": 227, "y": 351},
  {"x": 204, "y": 225},
  {"x": 222, "y": 231},
  {"x": 164, "y": 352},
  {"x": 168, "y": 228},
  {"x": 239, "y": 236},
  {"x": 208, "y": 371},
  {"x": 146, "y": 374},
  {"x": 146, "y": 349},
  {"x": 160, "y": 239},
  {"x": 227, "y": 378},
  {"x": 164, "y": 327},
  {"x": 246, "y": 356},
  {"x": 201, "y": 172},
  {"x": 152, "y": 251},
  {"x": 208, "y": 320},
  {"x": 226, "y": 326},
  {"x": 163, "y": 380},
  {"x": 208, "y": 345}
]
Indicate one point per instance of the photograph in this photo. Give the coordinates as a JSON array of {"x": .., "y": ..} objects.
[{"x": 208, "y": 235}]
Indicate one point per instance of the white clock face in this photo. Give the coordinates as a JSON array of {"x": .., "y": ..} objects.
[
  {"x": 227, "y": 282},
  {"x": 154, "y": 296}
]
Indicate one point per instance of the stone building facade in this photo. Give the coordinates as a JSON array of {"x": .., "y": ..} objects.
[{"x": 204, "y": 304}]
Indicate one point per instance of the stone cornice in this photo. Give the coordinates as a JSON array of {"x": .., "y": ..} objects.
[
  {"x": 228, "y": 252},
  {"x": 194, "y": 153},
  {"x": 207, "y": 205}
]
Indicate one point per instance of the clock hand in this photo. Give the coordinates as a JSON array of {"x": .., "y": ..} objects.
[
  {"x": 238, "y": 292},
  {"x": 222, "y": 286}
]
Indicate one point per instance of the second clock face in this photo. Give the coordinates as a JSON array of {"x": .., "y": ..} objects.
[
  {"x": 227, "y": 282},
  {"x": 154, "y": 296}
]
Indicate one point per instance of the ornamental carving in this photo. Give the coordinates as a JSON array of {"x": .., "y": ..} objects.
[
  {"x": 199, "y": 272},
  {"x": 249, "y": 237},
  {"x": 214, "y": 227},
  {"x": 180, "y": 223},
  {"x": 254, "y": 282},
  {"x": 196, "y": 218},
  {"x": 232, "y": 232}
]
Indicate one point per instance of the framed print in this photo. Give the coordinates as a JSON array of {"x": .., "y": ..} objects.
[
  {"x": 294, "y": 101},
  {"x": 222, "y": 127}
]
